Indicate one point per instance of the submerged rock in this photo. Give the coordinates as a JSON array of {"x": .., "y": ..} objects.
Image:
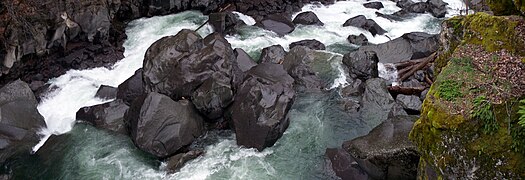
[
  {"x": 108, "y": 116},
  {"x": 307, "y": 18},
  {"x": 366, "y": 24},
  {"x": 132, "y": 88},
  {"x": 161, "y": 126},
  {"x": 19, "y": 121},
  {"x": 272, "y": 54},
  {"x": 386, "y": 152},
  {"x": 262, "y": 103},
  {"x": 277, "y": 23},
  {"x": 310, "y": 43}
]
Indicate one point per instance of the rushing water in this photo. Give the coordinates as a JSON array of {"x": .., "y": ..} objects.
[{"x": 318, "y": 120}]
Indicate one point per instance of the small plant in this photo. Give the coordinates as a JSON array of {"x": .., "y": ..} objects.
[
  {"x": 521, "y": 112},
  {"x": 483, "y": 111},
  {"x": 449, "y": 90},
  {"x": 518, "y": 139}
]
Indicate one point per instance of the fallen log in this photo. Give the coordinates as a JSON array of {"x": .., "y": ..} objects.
[
  {"x": 406, "y": 90},
  {"x": 406, "y": 74}
]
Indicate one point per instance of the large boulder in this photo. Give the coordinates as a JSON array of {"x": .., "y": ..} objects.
[
  {"x": 108, "y": 116},
  {"x": 259, "y": 113},
  {"x": 226, "y": 23},
  {"x": 358, "y": 40},
  {"x": 410, "y": 46},
  {"x": 20, "y": 121},
  {"x": 106, "y": 92},
  {"x": 243, "y": 62},
  {"x": 178, "y": 66},
  {"x": 132, "y": 88},
  {"x": 376, "y": 102},
  {"x": 386, "y": 152},
  {"x": 344, "y": 165},
  {"x": 366, "y": 24},
  {"x": 161, "y": 126},
  {"x": 296, "y": 63},
  {"x": 310, "y": 43},
  {"x": 374, "y": 5},
  {"x": 307, "y": 18},
  {"x": 437, "y": 8},
  {"x": 277, "y": 23},
  {"x": 272, "y": 54},
  {"x": 362, "y": 64}
]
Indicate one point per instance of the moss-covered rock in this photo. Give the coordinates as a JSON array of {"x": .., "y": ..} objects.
[
  {"x": 453, "y": 135},
  {"x": 502, "y": 7}
]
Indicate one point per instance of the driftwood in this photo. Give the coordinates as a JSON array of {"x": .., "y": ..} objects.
[
  {"x": 404, "y": 64},
  {"x": 405, "y": 73},
  {"x": 406, "y": 90}
]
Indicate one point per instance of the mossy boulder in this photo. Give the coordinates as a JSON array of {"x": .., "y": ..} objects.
[{"x": 468, "y": 126}]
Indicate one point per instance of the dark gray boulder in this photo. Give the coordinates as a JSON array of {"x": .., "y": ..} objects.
[
  {"x": 355, "y": 89},
  {"x": 277, "y": 23},
  {"x": 108, "y": 116},
  {"x": 362, "y": 64},
  {"x": 132, "y": 88},
  {"x": 374, "y": 5},
  {"x": 386, "y": 152},
  {"x": 296, "y": 63},
  {"x": 410, "y": 103},
  {"x": 19, "y": 121},
  {"x": 106, "y": 92},
  {"x": 410, "y": 46},
  {"x": 376, "y": 102},
  {"x": 358, "y": 40},
  {"x": 310, "y": 43},
  {"x": 418, "y": 7},
  {"x": 212, "y": 97},
  {"x": 366, "y": 24},
  {"x": 307, "y": 18},
  {"x": 161, "y": 126},
  {"x": 272, "y": 54},
  {"x": 344, "y": 165},
  {"x": 437, "y": 8},
  {"x": 243, "y": 62},
  {"x": 226, "y": 23},
  {"x": 262, "y": 103}
]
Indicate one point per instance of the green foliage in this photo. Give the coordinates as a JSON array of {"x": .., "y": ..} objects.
[
  {"x": 449, "y": 90},
  {"x": 518, "y": 139},
  {"x": 521, "y": 112},
  {"x": 483, "y": 111}
]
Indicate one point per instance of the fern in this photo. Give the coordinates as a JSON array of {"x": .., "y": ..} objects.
[
  {"x": 521, "y": 112},
  {"x": 483, "y": 111}
]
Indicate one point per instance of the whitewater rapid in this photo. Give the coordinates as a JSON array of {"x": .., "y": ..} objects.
[{"x": 224, "y": 160}]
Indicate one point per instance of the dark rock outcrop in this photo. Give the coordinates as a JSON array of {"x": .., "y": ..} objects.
[
  {"x": 176, "y": 162},
  {"x": 413, "y": 45},
  {"x": 272, "y": 54},
  {"x": 386, "y": 152},
  {"x": 106, "y": 92},
  {"x": 243, "y": 62},
  {"x": 161, "y": 126},
  {"x": 374, "y": 5},
  {"x": 344, "y": 165},
  {"x": 358, "y": 40},
  {"x": 260, "y": 111},
  {"x": 307, "y": 18},
  {"x": 296, "y": 63},
  {"x": 108, "y": 116},
  {"x": 132, "y": 88},
  {"x": 19, "y": 120},
  {"x": 366, "y": 24},
  {"x": 226, "y": 23},
  {"x": 277, "y": 23},
  {"x": 260, "y": 8},
  {"x": 362, "y": 64},
  {"x": 310, "y": 43}
]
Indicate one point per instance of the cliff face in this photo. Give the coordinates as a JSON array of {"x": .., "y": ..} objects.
[{"x": 469, "y": 122}]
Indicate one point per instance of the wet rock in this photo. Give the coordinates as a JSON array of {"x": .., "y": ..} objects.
[
  {"x": 132, "y": 88},
  {"x": 344, "y": 165},
  {"x": 418, "y": 7},
  {"x": 176, "y": 162},
  {"x": 161, "y": 126},
  {"x": 410, "y": 46},
  {"x": 358, "y": 40},
  {"x": 273, "y": 54},
  {"x": 259, "y": 9},
  {"x": 307, "y": 18},
  {"x": 400, "y": 15},
  {"x": 164, "y": 7},
  {"x": 108, "y": 116},
  {"x": 296, "y": 63},
  {"x": 362, "y": 64},
  {"x": 386, "y": 152},
  {"x": 437, "y": 8},
  {"x": 243, "y": 62},
  {"x": 376, "y": 102},
  {"x": 261, "y": 107},
  {"x": 397, "y": 110},
  {"x": 410, "y": 103},
  {"x": 374, "y": 5},
  {"x": 366, "y": 24},
  {"x": 212, "y": 97},
  {"x": 277, "y": 23},
  {"x": 106, "y": 92},
  {"x": 355, "y": 89},
  {"x": 191, "y": 59},
  {"x": 310, "y": 43},
  {"x": 19, "y": 121},
  {"x": 423, "y": 94},
  {"x": 226, "y": 23}
]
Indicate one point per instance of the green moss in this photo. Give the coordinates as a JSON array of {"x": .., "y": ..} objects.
[
  {"x": 492, "y": 32},
  {"x": 502, "y": 7},
  {"x": 520, "y": 5}
]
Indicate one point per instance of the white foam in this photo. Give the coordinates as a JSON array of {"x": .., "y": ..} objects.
[{"x": 245, "y": 18}]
